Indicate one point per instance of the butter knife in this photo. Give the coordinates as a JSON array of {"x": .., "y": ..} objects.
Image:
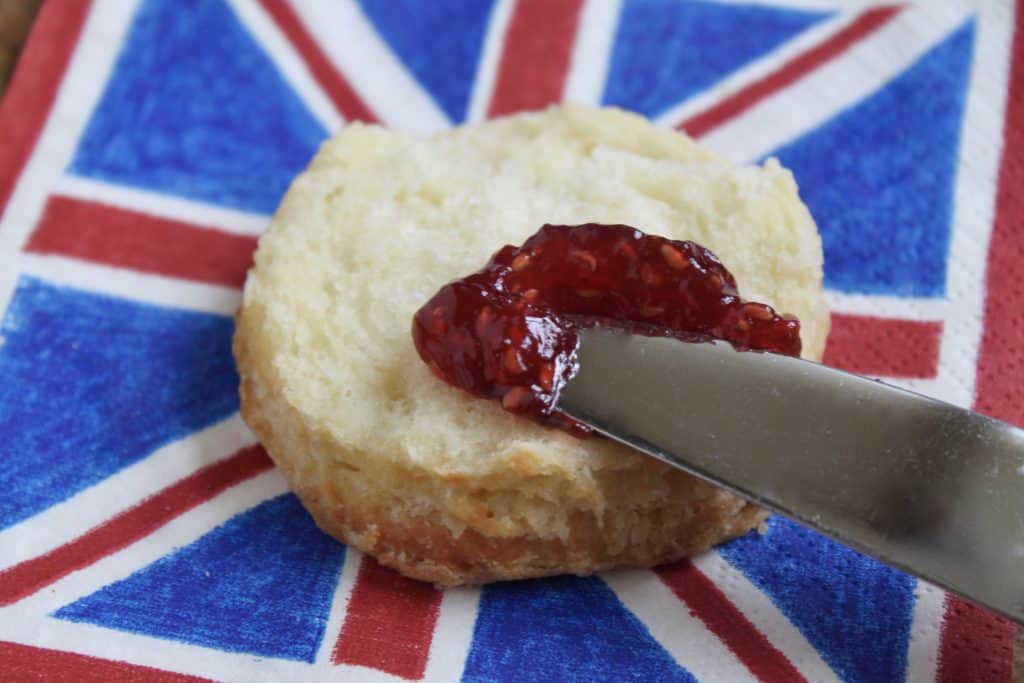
[{"x": 922, "y": 485}]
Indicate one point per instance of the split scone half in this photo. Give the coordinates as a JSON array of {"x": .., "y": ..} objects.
[{"x": 431, "y": 481}]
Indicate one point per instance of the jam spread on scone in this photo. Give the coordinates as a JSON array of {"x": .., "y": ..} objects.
[{"x": 509, "y": 331}]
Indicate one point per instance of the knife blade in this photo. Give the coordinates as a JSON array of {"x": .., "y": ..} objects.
[{"x": 917, "y": 483}]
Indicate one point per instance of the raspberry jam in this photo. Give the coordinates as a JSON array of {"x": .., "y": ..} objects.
[{"x": 509, "y": 331}]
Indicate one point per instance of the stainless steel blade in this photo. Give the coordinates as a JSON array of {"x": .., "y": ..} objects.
[{"x": 917, "y": 483}]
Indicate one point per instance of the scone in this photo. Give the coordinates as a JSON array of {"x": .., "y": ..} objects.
[{"x": 431, "y": 481}]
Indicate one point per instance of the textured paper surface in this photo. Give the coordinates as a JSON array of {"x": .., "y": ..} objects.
[{"x": 145, "y": 144}]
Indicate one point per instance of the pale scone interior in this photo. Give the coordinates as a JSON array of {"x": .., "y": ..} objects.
[{"x": 438, "y": 484}]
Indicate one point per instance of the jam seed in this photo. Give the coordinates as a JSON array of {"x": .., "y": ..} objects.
[
  {"x": 546, "y": 376},
  {"x": 521, "y": 261},
  {"x": 648, "y": 275},
  {"x": 514, "y": 398},
  {"x": 512, "y": 362},
  {"x": 758, "y": 311},
  {"x": 626, "y": 249},
  {"x": 584, "y": 258},
  {"x": 438, "y": 324},
  {"x": 482, "y": 321},
  {"x": 674, "y": 258}
]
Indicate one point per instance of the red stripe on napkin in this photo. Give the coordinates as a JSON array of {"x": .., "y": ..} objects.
[
  {"x": 134, "y": 523},
  {"x": 390, "y": 622},
  {"x": 538, "y": 45},
  {"x": 23, "y": 663},
  {"x": 337, "y": 87},
  {"x": 128, "y": 239},
  {"x": 1000, "y": 383},
  {"x": 26, "y": 106},
  {"x": 884, "y": 347},
  {"x": 790, "y": 72},
  {"x": 976, "y": 645},
  {"x": 709, "y": 604}
]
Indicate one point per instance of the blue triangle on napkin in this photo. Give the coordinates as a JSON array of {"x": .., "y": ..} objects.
[
  {"x": 879, "y": 178},
  {"x": 855, "y": 611},
  {"x": 667, "y": 51},
  {"x": 260, "y": 583},
  {"x": 438, "y": 41},
  {"x": 564, "y": 628},
  {"x": 93, "y": 383},
  {"x": 195, "y": 108}
]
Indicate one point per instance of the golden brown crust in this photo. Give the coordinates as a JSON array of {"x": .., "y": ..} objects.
[{"x": 695, "y": 516}]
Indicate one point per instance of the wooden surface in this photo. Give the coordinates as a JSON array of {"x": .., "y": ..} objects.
[{"x": 16, "y": 20}]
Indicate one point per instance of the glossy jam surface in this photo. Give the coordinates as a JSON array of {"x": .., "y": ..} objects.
[{"x": 509, "y": 331}]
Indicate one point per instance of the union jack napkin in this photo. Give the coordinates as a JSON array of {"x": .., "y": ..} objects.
[{"x": 143, "y": 145}]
